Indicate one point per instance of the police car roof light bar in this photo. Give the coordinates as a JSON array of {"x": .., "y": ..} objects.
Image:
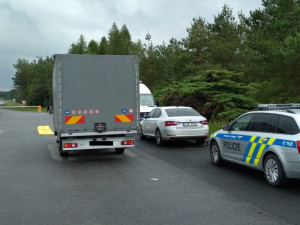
[{"x": 279, "y": 106}]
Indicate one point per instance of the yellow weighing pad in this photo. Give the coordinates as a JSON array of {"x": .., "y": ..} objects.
[{"x": 44, "y": 130}]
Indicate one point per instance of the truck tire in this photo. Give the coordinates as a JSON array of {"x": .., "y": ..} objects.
[
  {"x": 61, "y": 152},
  {"x": 119, "y": 151}
]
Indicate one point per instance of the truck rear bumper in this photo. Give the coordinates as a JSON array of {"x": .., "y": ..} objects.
[{"x": 73, "y": 144}]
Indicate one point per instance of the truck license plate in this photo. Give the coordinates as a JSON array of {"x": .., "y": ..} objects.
[{"x": 100, "y": 127}]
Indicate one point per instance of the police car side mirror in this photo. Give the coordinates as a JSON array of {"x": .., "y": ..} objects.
[{"x": 226, "y": 127}]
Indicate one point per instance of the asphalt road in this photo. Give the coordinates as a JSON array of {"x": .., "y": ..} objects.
[{"x": 174, "y": 184}]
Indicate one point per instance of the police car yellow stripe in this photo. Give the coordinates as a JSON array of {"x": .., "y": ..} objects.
[
  {"x": 260, "y": 151},
  {"x": 253, "y": 146}
]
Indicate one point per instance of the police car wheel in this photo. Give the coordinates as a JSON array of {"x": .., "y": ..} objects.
[
  {"x": 215, "y": 154},
  {"x": 273, "y": 171},
  {"x": 159, "y": 140}
]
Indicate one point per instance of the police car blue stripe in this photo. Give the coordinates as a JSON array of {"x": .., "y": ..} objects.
[
  {"x": 279, "y": 142},
  {"x": 285, "y": 143},
  {"x": 247, "y": 151}
]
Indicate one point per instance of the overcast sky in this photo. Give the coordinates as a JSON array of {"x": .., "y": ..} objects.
[{"x": 31, "y": 28}]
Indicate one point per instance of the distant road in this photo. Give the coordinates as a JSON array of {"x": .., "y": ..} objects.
[{"x": 2, "y": 102}]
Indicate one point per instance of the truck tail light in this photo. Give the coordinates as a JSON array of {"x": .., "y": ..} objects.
[
  {"x": 204, "y": 122},
  {"x": 298, "y": 146},
  {"x": 70, "y": 145},
  {"x": 127, "y": 142},
  {"x": 171, "y": 123}
]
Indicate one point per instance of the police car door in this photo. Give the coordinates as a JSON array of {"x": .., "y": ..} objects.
[
  {"x": 261, "y": 136},
  {"x": 235, "y": 140}
]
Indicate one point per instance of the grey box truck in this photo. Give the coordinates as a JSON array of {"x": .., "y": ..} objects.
[{"x": 95, "y": 101}]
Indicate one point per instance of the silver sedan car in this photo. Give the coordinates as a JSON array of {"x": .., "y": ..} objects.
[{"x": 174, "y": 123}]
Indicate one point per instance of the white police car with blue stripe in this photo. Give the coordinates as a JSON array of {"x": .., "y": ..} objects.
[{"x": 267, "y": 139}]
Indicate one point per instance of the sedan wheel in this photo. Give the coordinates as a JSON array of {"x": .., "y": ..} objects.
[
  {"x": 159, "y": 140},
  {"x": 141, "y": 134},
  {"x": 273, "y": 171}
]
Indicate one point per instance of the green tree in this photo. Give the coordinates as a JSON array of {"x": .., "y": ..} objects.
[
  {"x": 217, "y": 94},
  {"x": 115, "y": 41},
  {"x": 197, "y": 43},
  {"x": 171, "y": 62},
  {"x": 92, "y": 47},
  {"x": 33, "y": 81},
  {"x": 22, "y": 79},
  {"x": 126, "y": 41},
  {"x": 291, "y": 53},
  {"x": 224, "y": 40},
  {"x": 268, "y": 31},
  {"x": 103, "y": 46},
  {"x": 80, "y": 47}
]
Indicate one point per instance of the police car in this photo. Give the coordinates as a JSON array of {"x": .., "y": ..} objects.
[{"x": 267, "y": 139}]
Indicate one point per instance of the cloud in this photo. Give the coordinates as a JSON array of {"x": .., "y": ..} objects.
[{"x": 42, "y": 28}]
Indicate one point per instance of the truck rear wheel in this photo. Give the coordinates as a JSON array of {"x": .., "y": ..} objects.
[
  {"x": 119, "y": 150},
  {"x": 60, "y": 149}
]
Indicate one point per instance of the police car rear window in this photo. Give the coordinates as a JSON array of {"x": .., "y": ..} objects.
[
  {"x": 181, "y": 112},
  {"x": 287, "y": 125}
]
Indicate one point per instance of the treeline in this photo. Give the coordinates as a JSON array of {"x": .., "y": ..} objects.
[
  {"x": 7, "y": 94},
  {"x": 221, "y": 68}
]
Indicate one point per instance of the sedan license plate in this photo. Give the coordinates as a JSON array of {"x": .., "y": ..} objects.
[{"x": 190, "y": 124}]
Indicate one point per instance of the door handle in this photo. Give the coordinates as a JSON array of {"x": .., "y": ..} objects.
[
  {"x": 263, "y": 139},
  {"x": 240, "y": 137}
]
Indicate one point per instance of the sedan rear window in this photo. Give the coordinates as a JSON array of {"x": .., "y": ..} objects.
[{"x": 181, "y": 112}]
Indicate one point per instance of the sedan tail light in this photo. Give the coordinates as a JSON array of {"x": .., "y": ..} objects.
[
  {"x": 204, "y": 122},
  {"x": 298, "y": 146},
  {"x": 171, "y": 123}
]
